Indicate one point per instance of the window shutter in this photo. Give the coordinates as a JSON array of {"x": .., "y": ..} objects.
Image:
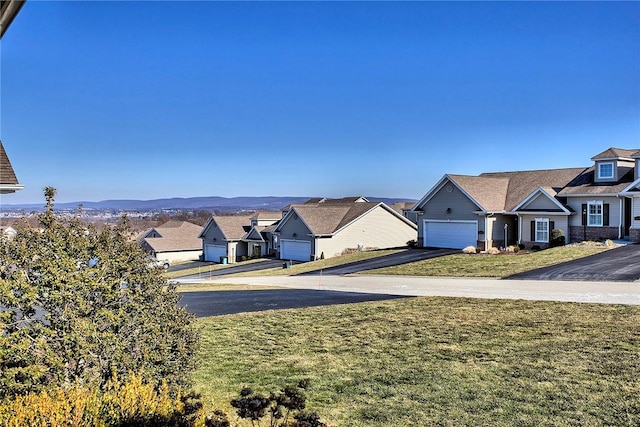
[
  {"x": 605, "y": 214},
  {"x": 533, "y": 231},
  {"x": 584, "y": 214},
  {"x": 552, "y": 225}
]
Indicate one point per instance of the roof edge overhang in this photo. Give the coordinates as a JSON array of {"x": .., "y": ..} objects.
[
  {"x": 590, "y": 195},
  {"x": 10, "y": 188}
]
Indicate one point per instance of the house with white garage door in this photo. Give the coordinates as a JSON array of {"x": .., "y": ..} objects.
[
  {"x": 222, "y": 236},
  {"x": 523, "y": 207},
  {"x": 175, "y": 241},
  {"x": 325, "y": 229}
]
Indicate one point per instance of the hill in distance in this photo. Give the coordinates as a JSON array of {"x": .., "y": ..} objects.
[{"x": 190, "y": 203}]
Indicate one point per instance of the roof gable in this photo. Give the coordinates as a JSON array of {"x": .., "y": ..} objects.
[
  {"x": 232, "y": 227},
  {"x": 613, "y": 153},
  {"x": 548, "y": 194}
]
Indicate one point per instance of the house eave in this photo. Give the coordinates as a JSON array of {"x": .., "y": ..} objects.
[{"x": 10, "y": 188}]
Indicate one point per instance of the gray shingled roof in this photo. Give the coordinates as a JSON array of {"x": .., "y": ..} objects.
[
  {"x": 616, "y": 153},
  {"x": 584, "y": 183},
  {"x": 7, "y": 175},
  {"x": 325, "y": 219},
  {"x": 266, "y": 215},
  {"x": 523, "y": 183},
  {"x": 233, "y": 227},
  {"x": 176, "y": 236}
]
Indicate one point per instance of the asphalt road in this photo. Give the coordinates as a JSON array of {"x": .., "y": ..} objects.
[
  {"x": 619, "y": 264},
  {"x": 404, "y": 257},
  {"x": 217, "y": 303}
]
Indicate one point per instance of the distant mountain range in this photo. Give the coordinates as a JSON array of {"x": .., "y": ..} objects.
[{"x": 189, "y": 203}]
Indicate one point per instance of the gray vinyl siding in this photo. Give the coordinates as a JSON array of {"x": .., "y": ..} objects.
[
  {"x": 377, "y": 229},
  {"x": 461, "y": 208},
  {"x": 297, "y": 226},
  {"x": 541, "y": 203},
  {"x": 576, "y": 204},
  {"x": 559, "y": 222},
  {"x": 213, "y": 232}
]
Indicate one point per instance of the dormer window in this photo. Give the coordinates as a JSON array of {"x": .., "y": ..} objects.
[{"x": 605, "y": 170}]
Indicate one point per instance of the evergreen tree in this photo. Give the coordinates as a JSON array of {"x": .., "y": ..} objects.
[{"x": 78, "y": 304}]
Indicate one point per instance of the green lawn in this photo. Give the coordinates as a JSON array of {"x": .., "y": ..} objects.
[
  {"x": 483, "y": 265},
  {"x": 436, "y": 361}
]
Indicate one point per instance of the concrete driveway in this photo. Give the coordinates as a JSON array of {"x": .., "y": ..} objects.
[
  {"x": 619, "y": 264},
  {"x": 404, "y": 257}
]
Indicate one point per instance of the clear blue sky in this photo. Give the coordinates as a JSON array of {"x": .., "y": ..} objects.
[{"x": 146, "y": 100}]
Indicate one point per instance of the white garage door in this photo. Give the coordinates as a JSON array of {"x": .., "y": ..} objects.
[
  {"x": 214, "y": 252},
  {"x": 295, "y": 250},
  {"x": 450, "y": 234}
]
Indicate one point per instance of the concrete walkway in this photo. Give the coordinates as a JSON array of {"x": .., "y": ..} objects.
[{"x": 571, "y": 291}]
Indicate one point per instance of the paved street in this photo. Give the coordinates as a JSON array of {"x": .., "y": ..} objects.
[
  {"x": 584, "y": 291},
  {"x": 217, "y": 303}
]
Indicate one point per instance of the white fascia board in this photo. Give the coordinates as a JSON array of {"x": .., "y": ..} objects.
[
  {"x": 630, "y": 186},
  {"x": 10, "y": 188}
]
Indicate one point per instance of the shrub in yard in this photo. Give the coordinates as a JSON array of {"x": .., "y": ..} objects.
[
  {"x": 557, "y": 238},
  {"x": 284, "y": 408},
  {"x": 412, "y": 243},
  {"x": 130, "y": 403},
  {"x": 80, "y": 304}
]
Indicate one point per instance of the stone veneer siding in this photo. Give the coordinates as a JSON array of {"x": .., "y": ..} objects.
[
  {"x": 576, "y": 233},
  {"x": 634, "y": 235}
]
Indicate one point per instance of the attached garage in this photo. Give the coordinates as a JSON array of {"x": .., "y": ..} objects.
[
  {"x": 450, "y": 234},
  {"x": 297, "y": 250},
  {"x": 214, "y": 252}
]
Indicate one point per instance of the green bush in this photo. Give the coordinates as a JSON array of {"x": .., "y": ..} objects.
[
  {"x": 557, "y": 238},
  {"x": 81, "y": 303}
]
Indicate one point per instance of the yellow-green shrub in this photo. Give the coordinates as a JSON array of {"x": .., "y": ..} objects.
[{"x": 121, "y": 403}]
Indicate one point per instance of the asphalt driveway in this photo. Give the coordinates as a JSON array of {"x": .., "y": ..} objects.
[
  {"x": 404, "y": 257},
  {"x": 619, "y": 264},
  {"x": 242, "y": 267}
]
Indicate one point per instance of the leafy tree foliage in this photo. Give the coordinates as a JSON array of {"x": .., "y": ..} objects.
[{"x": 78, "y": 305}]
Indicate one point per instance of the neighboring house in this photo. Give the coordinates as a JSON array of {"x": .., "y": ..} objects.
[
  {"x": 175, "y": 241},
  {"x": 8, "y": 231},
  {"x": 329, "y": 227},
  {"x": 222, "y": 236},
  {"x": 260, "y": 239},
  {"x": 523, "y": 207},
  {"x": 8, "y": 181}
]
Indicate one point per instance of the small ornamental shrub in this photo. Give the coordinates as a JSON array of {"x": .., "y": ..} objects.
[
  {"x": 557, "y": 238},
  {"x": 412, "y": 243},
  {"x": 284, "y": 408},
  {"x": 130, "y": 403}
]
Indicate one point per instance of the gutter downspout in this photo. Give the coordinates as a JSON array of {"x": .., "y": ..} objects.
[{"x": 519, "y": 228}]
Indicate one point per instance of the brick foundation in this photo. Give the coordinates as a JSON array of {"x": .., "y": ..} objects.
[{"x": 577, "y": 234}]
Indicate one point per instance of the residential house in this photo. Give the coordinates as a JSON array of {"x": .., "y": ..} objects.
[
  {"x": 175, "y": 241},
  {"x": 8, "y": 181},
  {"x": 523, "y": 207},
  {"x": 222, "y": 237},
  {"x": 327, "y": 228}
]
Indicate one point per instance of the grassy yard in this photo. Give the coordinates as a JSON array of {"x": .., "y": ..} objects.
[
  {"x": 436, "y": 361},
  {"x": 483, "y": 265}
]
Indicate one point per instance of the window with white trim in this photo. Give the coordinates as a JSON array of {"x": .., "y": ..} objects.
[
  {"x": 605, "y": 170},
  {"x": 542, "y": 230},
  {"x": 594, "y": 213}
]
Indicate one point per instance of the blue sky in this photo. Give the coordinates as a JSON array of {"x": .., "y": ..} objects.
[{"x": 143, "y": 100}]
